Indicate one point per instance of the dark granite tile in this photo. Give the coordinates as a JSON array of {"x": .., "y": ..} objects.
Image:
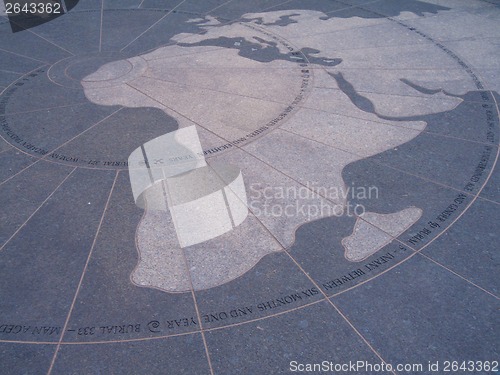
[
  {"x": 16, "y": 63},
  {"x": 22, "y": 195},
  {"x": 315, "y": 5},
  {"x": 27, "y": 44},
  {"x": 85, "y": 4},
  {"x": 319, "y": 251},
  {"x": 396, "y": 191},
  {"x": 272, "y": 286},
  {"x": 4, "y": 146},
  {"x": 44, "y": 131},
  {"x": 447, "y": 161},
  {"x": 175, "y": 355},
  {"x": 115, "y": 138},
  {"x": 394, "y": 8},
  {"x": 470, "y": 246},
  {"x": 41, "y": 266},
  {"x": 160, "y": 4},
  {"x": 344, "y": 10},
  {"x": 420, "y": 312},
  {"x": 31, "y": 94},
  {"x": 25, "y": 359},
  {"x": 120, "y": 27},
  {"x": 202, "y": 7},
  {"x": 6, "y": 78},
  {"x": 108, "y": 299},
  {"x": 81, "y": 35},
  {"x": 352, "y": 2},
  {"x": 457, "y": 122},
  {"x": 12, "y": 162},
  {"x": 162, "y": 32},
  {"x": 281, "y": 344},
  {"x": 236, "y": 9},
  {"x": 122, "y": 4},
  {"x": 492, "y": 188}
]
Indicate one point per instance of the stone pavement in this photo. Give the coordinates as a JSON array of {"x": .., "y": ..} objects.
[{"x": 249, "y": 187}]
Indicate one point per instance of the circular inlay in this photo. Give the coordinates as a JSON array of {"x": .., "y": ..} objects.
[
  {"x": 70, "y": 72},
  {"x": 172, "y": 172}
]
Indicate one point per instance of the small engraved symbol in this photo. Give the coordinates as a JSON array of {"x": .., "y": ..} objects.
[{"x": 154, "y": 326}]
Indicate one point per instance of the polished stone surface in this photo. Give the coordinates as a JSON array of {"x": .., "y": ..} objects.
[{"x": 329, "y": 192}]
